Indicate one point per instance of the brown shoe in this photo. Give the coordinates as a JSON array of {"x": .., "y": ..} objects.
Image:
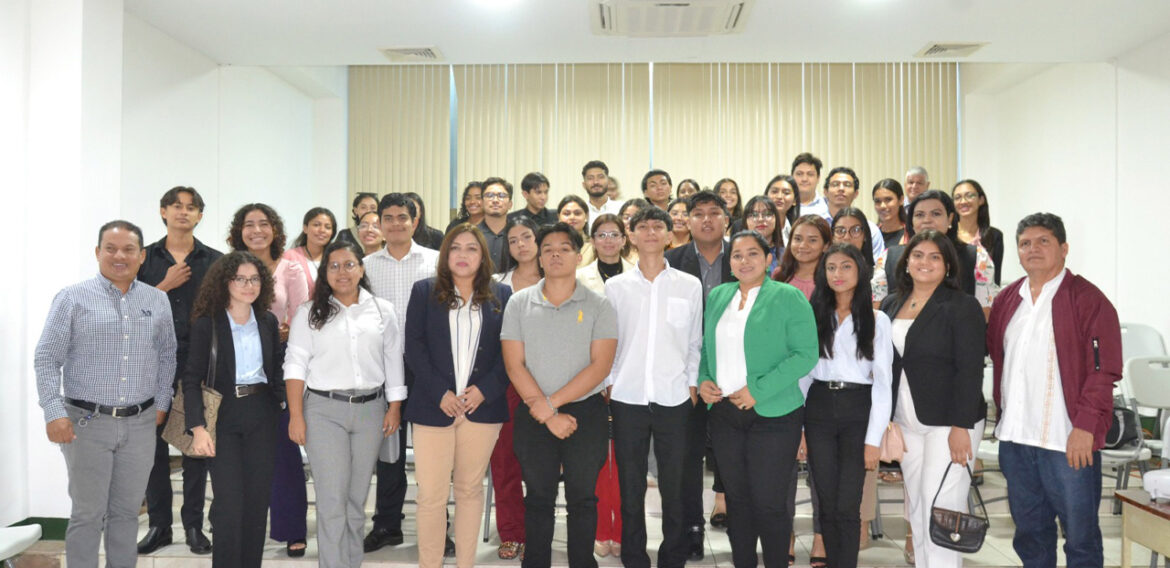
[{"x": 510, "y": 550}]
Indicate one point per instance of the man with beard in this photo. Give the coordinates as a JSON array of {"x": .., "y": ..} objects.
[{"x": 595, "y": 180}]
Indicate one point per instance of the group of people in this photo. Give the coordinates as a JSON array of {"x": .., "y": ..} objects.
[{"x": 572, "y": 346}]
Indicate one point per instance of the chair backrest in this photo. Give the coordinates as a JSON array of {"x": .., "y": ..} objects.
[
  {"x": 1149, "y": 381},
  {"x": 1140, "y": 340}
]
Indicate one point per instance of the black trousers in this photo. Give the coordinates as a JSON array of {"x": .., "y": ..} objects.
[
  {"x": 834, "y": 428},
  {"x": 241, "y": 477},
  {"x": 634, "y": 426},
  {"x": 694, "y": 515},
  {"x": 755, "y": 456},
  {"x": 390, "y": 478},
  {"x": 544, "y": 461},
  {"x": 159, "y": 495}
]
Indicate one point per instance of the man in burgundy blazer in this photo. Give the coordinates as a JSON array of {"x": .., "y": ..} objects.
[{"x": 1055, "y": 341}]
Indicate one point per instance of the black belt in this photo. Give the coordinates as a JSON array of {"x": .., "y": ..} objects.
[
  {"x": 350, "y": 398},
  {"x": 115, "y": 411},
  {"x": 843, "y": 385},
  {"x": 250, "y": 389}
]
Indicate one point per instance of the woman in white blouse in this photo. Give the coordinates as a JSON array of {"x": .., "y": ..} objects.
[
  {"x": 458, "y": 404},
  {"x": 848, "y": 405},
  {"x": 344, "y": 349}
]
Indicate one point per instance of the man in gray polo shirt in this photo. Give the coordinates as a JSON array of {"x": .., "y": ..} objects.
[{"x": 559, "y": 341}]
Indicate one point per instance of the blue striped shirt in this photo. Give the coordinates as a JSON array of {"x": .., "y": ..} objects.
[{"x": 103, "y": 346}]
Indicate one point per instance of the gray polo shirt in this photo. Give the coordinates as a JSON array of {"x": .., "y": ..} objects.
[{"x": 557, "y": 338}]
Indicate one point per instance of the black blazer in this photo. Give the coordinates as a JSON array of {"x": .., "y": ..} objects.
[
  {"x": 428, "y": 355},
  {"x": 225, "y": 363},
  {"x": 686, "y": 259},
  {"x": 943, "y": 359}
]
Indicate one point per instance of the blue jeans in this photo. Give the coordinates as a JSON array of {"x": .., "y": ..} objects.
[{"x": 1041, "y": 488}]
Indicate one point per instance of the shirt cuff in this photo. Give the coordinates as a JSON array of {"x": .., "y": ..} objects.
[
  {"x": 55, "y": 410},
  {"x": 394, "y": 394}
]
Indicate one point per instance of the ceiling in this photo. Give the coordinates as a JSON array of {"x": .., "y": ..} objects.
[{"x": 351, "y": 32}]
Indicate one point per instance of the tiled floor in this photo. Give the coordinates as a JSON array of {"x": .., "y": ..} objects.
[{"x": 997, "y": 550}]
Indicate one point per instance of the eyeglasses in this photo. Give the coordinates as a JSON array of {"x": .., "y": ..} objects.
[
  {"x": 494, "y": 195},
  {"x": 972, "y": 196},
  {"x": 761, "y": 216},
  {"x": 243, "y": 281},
  {"x": 347, "y": 266},
  {"x": 608, "y": 235},
  {"x": 854, "y": 231},
  {"x": 368, "y": 226}
]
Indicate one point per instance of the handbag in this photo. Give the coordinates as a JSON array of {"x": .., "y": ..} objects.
[
  {"x": 893, "y": 447},
  {"x": 955, "y": 530},
  {"x": 175, "y": 432},
  {"x": 1123, "y": 431}
]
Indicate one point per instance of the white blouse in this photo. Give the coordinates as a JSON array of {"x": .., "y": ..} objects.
[
  {"x": 466, "y": 322},
  {"x": 359, "y": 348},
  {"x": 846, "y": 366},
  {"x": 730, "y": 359},
  {"x": 904, "y": 413}
]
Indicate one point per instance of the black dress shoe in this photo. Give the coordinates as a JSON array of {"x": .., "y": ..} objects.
[
  {"x": 380, "y": 537},
  {"x": 156, "y": 538},
  {"x": 449, "y": 548},
  {"x": 698, "y": 543},
  {"x": 197, "y": 542}
]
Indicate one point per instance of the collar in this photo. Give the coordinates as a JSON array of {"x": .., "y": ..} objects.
[
  {"x": 363, "y": 297},
  {"x": 1047, "y": 290},
  {"x": 109, "y": 285},
  {"x": 667, "y": 272},
  {"x": 250, "y": 323},
  {"x": 537, "y": 296},
  {"x": 603, "y": 205},
  {"x": 385, "y": 253}
]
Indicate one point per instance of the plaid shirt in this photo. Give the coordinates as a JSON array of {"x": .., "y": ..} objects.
[{"x": 106, "y": 347}]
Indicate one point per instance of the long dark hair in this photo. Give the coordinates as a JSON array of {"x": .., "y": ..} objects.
[
  {"x": 777, "y": 236},
  {"x": 982, "y": 216},
  {"x": 445, "y": 282},
  {"x": 322, "y": 310},
  {"x": 891, "y": 185},
  {"x": 793, "y": 212},
  {"x": 950, "y": 259},
  {"x": 309, "y": 216},
  {"x": 948, "y": 205},
  {"x": 510, "y": 261},
  {"x": 463, "y": 214},
  {"x": 737, "y": 211},
  {"x": 824, "y": 304},
  {"x": 420, "y": 232},
  {"x": 213, "y": 291},
  {"x": 860, "y": 216},
  {"x": 788, "y": 264},
  {"x": 236, "y": 232}
]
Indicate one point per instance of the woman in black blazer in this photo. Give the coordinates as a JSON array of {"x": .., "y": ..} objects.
[
  {"x": 938, "y": 333},
  {"x": 458, "y": 405},
  {"x": 231, "y": 317}
]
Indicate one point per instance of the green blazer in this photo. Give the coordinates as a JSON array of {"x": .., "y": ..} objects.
[{"x": 780, "y": 344}]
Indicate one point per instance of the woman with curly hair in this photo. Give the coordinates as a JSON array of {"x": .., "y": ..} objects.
[
  {"x": 234, "y": 328},
  {"x": 257, "y": 228},
  {"x": 470, "y": 206},
  {"x": 458, "y": 404},
  {"x": 345, "y": 349}
]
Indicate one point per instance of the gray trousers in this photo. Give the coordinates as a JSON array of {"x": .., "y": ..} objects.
[
  {"x": 342, "y": 441},
  {"x": 109, "y": 464}
]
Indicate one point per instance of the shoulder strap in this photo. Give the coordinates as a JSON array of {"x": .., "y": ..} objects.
[
  {"x": 210, "y": 379},
  {"x": 978, "y": 495}
]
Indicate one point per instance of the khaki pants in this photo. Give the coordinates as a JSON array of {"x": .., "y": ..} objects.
[{"x": 459, "y": 453}]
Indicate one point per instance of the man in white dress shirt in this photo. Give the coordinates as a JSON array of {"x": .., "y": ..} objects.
[
  {"x": 654, "y": 385},
  {"x": 595, "y": 181},
  {"x": 392, "y": 271}
]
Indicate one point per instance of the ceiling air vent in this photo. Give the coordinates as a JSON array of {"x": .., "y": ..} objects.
[
  {"x": 667, "y": 18},
  {"x": 413, "y": 54},
  {"x": 939, "y": 50}
]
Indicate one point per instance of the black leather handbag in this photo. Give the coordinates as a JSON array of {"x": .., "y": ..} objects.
[{"x": 956, "y": 530}]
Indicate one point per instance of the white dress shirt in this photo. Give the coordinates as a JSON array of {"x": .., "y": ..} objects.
[
  {"x": 610, "y": 206},
  {"x": 465, "y": 322},
  {"x": 847, "y": 367},
  {"x": 1032, "y": 395},
  {"x": 359, "y": 348},
  {"x": 730, "y": 359},
  {"x": 660, "y": 334},
  {"x": 392, "y": 279}
]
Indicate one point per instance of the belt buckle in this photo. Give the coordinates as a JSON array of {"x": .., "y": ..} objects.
[
  {"x": 120, "y": 411},
  {"x": 836, "y": 385},
  {"x": 355, "y": 398},
  {"x": 238, "y": 393}
]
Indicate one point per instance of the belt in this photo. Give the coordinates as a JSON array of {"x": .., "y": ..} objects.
[
  {"x": 843, "y": 385},
  {"x": 249, "y": 389},
  {"x": 350, "y": 398},
  {"x": 115, "y": 411}
]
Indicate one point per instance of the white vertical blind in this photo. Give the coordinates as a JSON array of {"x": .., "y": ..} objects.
[{"x": 744, "y": 121}]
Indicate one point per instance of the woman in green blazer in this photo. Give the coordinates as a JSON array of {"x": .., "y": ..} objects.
[{"x": 759, "y": 339}]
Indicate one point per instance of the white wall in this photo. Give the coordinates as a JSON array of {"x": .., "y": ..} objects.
[
  {"x": 1087, "y": 142},
  {"x": 237, "y": 134}
]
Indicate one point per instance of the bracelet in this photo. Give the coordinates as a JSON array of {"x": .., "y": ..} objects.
[{"x": 548, "y": 399}]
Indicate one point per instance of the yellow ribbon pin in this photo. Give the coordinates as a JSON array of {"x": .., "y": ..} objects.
[{"x": 580, "y": 316}]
